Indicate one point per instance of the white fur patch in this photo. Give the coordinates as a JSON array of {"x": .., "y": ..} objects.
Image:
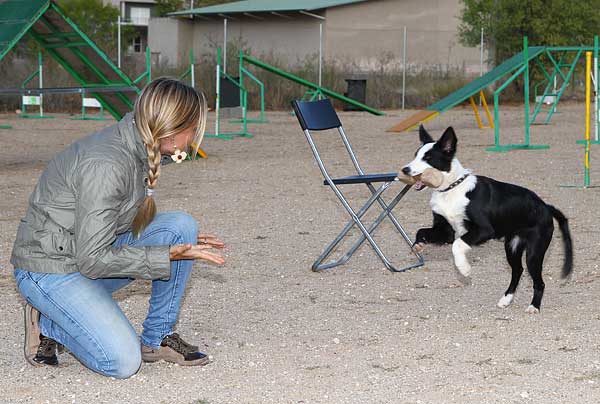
[
  {"x": 418, "y": 165},
  {"x": 514, "y": 243},
  {"x": 452, "y": 205},
  {"x": 505, "y": 300},
  {"x": 459, "y": 250},
  {"x": 532, "y": 310}
]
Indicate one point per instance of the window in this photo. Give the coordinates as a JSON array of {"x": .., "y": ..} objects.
[
  {"x": 139, "y": 15},
  {"x": 137, "y": 44}
]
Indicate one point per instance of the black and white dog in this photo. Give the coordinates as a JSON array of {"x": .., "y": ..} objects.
[{"x": 469, "y": 210}]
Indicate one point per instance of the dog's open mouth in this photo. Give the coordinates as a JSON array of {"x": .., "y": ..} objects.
[{"x": 419, "y": 185}]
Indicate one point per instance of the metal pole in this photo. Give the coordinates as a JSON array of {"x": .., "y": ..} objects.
[
  {"x": 41, "y": 81},
  {"x": 588, "y": 88},
  {"x": 218, "y": 90},
  {"x": 119, "y": 41},
  {"x": 596, "y": 88},
  {"x": 225, "y": 45},
  {"x": 192, "y": 75},
  {"x": 481, "y": 59},
  {"x": 526, "y": 85},
  {"x": 320, "y": 53},
  {"x": 404, "y": 68}
]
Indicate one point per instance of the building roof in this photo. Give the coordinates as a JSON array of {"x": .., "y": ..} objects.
[{"x": 266, "y": 6}]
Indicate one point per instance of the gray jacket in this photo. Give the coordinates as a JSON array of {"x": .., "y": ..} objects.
[{"x": 88, "y": 194}]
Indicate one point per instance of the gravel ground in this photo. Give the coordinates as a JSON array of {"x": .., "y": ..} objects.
[{"x": 279, "y": 333}]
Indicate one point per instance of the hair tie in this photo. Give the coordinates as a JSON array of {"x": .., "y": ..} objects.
[{"x": 149, "y": 191}]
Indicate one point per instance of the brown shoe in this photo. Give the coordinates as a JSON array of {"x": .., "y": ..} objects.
[
  {"x": 174, "y": 349},
  {"x": 39, "y": 350}
]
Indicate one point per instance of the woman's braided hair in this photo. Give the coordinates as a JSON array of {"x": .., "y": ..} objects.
[{"x": 165, "y": 108}]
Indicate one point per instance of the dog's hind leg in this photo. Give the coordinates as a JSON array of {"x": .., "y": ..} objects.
[
  {"x": 536, "y": 250},
  {"x": 514, "y": 248}
]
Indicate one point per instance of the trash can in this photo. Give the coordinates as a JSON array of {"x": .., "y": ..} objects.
[
  {"x": 230, "y": 93},
  {"x": 357, "y": 90}
]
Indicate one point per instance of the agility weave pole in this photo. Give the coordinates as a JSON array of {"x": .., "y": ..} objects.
[{"x": 588, "y": 120}]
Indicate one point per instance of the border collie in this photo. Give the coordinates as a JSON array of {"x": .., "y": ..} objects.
[{"x": 469, "y": 210}]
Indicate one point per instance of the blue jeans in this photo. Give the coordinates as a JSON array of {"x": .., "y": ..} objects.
[{"x": 81, "y": 314}]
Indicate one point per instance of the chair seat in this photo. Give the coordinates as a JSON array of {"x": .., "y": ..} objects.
[{"x": 364, "y": 179}]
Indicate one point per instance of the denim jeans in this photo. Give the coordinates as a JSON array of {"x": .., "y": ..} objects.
[{"x": 81, "y": 314}]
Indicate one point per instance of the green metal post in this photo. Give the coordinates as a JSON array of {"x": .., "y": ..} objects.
[
  {"x": 241, "y": 75},
  {"x": 148, "y": 65}
]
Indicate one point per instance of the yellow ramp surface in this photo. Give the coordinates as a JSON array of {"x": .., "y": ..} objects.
[{"x": 415, "y": 119}]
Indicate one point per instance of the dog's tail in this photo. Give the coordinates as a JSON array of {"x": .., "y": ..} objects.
[{"x": 563, "y": 224}]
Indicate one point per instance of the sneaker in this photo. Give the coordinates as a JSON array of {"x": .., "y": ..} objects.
[
  {"x": 39, "y": 350},
  {"x": 174, "y": 349}
]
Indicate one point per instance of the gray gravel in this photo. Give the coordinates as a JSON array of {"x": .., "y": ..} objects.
[{"x": 279, "y": 333}]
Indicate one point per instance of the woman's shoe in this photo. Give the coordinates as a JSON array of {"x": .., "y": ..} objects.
[
  {"x": 174, "y": 349},
  {"x": 39, "y": 350}
]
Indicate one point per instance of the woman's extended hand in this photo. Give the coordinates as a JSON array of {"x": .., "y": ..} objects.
[
  {"x": 210, "y": 241},
  {"x": 193, "y": 252}
]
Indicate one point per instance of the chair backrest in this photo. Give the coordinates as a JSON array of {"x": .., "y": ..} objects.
[{"x": 316, "y": 115}]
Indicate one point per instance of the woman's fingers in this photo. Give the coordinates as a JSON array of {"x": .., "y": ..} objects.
[
  {"x": 212, "y": 257},
  {"x": 213, "y": 243},
  {"x": 189, "y": 252},
  {"x": 211, "y": 240}
]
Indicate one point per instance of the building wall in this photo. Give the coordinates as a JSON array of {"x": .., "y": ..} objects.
[
  {"x": 292, "y": 40},
  {"x": 371, "y": 34},
  {"x": 170, "y": 40},
  {"x": 366, "y": 35}
]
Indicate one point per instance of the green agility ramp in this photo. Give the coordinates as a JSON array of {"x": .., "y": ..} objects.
[
  {"x": 62, "y": 39},
  {"x": 471, "y": 89},
  {"x": 306, "y": 83}
]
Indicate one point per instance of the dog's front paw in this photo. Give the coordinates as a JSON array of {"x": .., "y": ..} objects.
[
  {"x": 459, "y": 250},
  {"x": 418, "y": 247},
  {"x": 463, "y": 267},
  {"x": 532, "y": 309},
  {"x": 505, "y": 301}
]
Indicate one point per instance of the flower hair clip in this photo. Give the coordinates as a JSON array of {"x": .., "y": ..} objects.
[{"x": 178, "y": 156}]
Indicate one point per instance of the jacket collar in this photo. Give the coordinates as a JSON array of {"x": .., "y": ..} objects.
[{"x": 132, "y": 138}]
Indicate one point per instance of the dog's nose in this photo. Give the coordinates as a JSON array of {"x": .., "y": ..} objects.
[{"x": 406, "y": 170}]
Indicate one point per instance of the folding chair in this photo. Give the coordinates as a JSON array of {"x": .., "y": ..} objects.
[{"x": 320, "y": 116}]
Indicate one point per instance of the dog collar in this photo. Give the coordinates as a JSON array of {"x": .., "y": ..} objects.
[{"x": 455, "y": 183}]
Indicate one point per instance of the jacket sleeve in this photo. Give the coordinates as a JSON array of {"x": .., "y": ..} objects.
[{"x": 101, "y": 191}]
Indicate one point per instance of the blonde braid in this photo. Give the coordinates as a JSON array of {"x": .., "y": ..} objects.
[{"x": 165, "y": 107}]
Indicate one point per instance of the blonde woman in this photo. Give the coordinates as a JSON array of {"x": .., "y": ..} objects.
[{"x": 91, "y": 228}]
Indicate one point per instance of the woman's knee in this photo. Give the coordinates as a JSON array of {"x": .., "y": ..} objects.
[
  {"x": 182, "y": 224},
  {"x": 124, "y": 362}
]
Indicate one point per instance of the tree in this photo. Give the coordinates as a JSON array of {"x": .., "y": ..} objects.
[
  {"x": 544, "y": 22},
  {"x": 163, "y": 7},
  {"x": 96, "y": 19}
]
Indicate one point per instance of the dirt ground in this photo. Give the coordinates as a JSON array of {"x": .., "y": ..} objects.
[{"x": 280, "y": 333}]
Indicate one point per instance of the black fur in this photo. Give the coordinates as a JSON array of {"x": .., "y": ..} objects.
[{"x": 498, "y": 210}]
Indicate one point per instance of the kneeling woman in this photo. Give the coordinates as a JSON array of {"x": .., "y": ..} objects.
[{"x": 91, "y": 228}]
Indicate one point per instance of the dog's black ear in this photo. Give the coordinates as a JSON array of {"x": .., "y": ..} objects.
[
  {"x": 448, "y": 141},
  {"x": 424, "y": 136}
]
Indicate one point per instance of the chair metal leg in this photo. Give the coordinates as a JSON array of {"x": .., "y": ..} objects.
[
  {"x": 387, "y": 212},
  {"x": 366, "y": 233},
  {"x": 317, "y": 266}
]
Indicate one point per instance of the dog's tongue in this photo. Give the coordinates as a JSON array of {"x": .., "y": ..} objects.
[{"x": 419, "y": 185}]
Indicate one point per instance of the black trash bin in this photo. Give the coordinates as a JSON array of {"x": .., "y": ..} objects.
[
  {"x": 230, "y": 93},
  {"x": 357, "y": 90}
]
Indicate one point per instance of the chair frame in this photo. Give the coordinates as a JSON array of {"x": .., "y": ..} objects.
[{"x": 376, "y": 196}]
